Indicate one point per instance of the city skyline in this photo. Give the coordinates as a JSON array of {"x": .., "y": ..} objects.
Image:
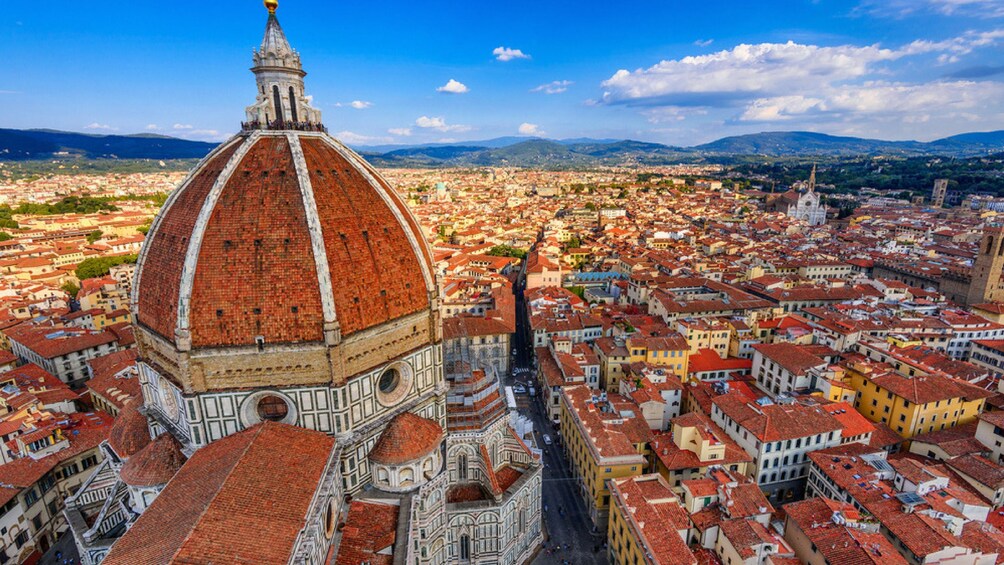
[{"x": 438, "y": 73}]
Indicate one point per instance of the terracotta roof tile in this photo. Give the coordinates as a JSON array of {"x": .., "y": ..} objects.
[
  {"x": 155, "y": 464},
  {"x": 241, "y": 499},
  {"x": 406, "y": 438}
]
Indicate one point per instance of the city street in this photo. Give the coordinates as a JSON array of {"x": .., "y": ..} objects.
[{"x": 566, "y": 521}]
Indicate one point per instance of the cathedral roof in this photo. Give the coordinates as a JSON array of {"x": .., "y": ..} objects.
[
  {"x": 406, "y": 438},
  {"x": 155, "y": 464},
  {"x": 130, "y": 432},
  {"x": 241, "y": 499},
  {"x": 370, "y": 528},
  {"x": 281, "y": 234}
]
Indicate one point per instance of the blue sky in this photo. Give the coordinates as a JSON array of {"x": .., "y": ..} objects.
[{"x": 412, "y": 72}]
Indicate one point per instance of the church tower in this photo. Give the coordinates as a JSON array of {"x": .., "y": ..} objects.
[{"x": 985, "y": 285}]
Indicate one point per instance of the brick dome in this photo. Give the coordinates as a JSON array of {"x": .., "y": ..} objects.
[
  {"x": 129, "y": 433},
  {"x": 406, "y": 438},
  {"x": 283, "y": 236},
  {"x": 155, "y": 464}
]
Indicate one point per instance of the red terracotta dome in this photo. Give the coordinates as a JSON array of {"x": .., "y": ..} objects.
[
  {"x": 281, "y": 235},
  {"x": 130, "y": 432},
  {"x": 155, "y": 464},
  {"x": 406, "y": 438}
]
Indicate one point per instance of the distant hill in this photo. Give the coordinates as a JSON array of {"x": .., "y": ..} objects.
[
  {"x": 803, "y": 143},
  {"x": 535, "y": 152},
  {"x": 982, "y": 142},
  {"x": 781, "y": 143},
  {"x": 517, "y": 151},
  {"x": 43, "y": 144}
]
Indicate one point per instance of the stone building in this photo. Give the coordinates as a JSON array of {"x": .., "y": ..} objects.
[
  {"x": 809, "y": 206},
  {"x": 290, "y": 351}
]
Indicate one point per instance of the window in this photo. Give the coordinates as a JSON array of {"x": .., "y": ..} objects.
[
  {"x": 273, "y": 408},
  {"x": 465, "y": 547}
]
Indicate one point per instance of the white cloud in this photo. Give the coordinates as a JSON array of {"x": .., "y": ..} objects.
[
  {"x": 151, "y": 127},
  {"x": 439, "y": 124},
  {"x": 704, "y": 42},
  {"x": 958, "y": 98},
  {"x": 182, "y": 126},
  {"x": 904, "y": 8},
  {"x": 353, "y": 138},
  {"x": 401, "y": 132},
  {"x": 744, "y": 70},
  {"x": 527, "y": 128},
  {"x": 453, "y": 87},
  {"x": 508, "y": 54},
  {"x": 357, "y": 104},
  {"x": 792, "y": 82},
  {"x": 96, "y": 125},
  {"x": 553, "y": 87}
]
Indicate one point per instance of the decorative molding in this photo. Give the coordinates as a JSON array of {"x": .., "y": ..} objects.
[
  {"x": 332, "y": 334},
  {"x": 195, "y": 243}
]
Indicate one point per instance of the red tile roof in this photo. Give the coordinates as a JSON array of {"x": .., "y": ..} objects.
[
  {"x": 241, "y": 499},
  {"x": 406, "y": 438},
  {"x": 155, "y": 464},
  {"x": 840, "y": 543},
  {"x": 165, "y": 253},
  {"x": 50, "y": 342},
  {"x": 370, "y": 527},
  {"x": 776, "y": 421},
  {"x": 257, "y": 235},
  {"x": 130, "y": 433}
]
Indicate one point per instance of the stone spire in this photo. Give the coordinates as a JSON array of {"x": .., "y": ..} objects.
[
  {"x": 812, "y": 179},
  {"x": 280, "y": 103}
]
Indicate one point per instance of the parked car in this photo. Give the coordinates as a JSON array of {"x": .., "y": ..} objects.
[
  {"x": 519, "y": 389},
  {"x": 547, "y": 439}
]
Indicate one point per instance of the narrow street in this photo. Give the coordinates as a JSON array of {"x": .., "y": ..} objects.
[{"x": 566, "y": 521}]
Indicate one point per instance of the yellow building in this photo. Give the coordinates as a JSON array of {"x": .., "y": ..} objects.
[
  {"x": 704, "y": 333},
  {"x": 913, "y": 405},
  {"x": 694, "y": 445},
  {"x": 643, "y": 514},
  {"x": 670, "y": 351},
  {"x": 617, "y": 353},
  {"x": 601, "y": 443}
]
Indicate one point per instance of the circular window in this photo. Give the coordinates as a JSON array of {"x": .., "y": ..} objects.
[
  {"x": 393, "y": 384},
  {"x": 272, "y": 408},
  {"x": 389, "y": 380},
  {"x": 329, "y": 520},
  {"x": 268, "y": 406},
  {"x": 167, "y": 400}
]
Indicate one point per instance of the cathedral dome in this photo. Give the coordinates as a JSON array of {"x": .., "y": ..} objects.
[
  {"x": 406, "y": 438},
  {"x": 129, "y": 433},
  {"x": 280, "y": 236},
  {"x": 155, "y": 464}
]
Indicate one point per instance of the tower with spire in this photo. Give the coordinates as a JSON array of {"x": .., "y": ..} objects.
[
  {"x": 281, "y": 102},
  {"x": 809, "y": 206}
]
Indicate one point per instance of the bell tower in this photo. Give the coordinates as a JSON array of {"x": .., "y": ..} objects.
[
  {"x": 281, "y": 102},
  {"x": 985, "y": 285}
]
